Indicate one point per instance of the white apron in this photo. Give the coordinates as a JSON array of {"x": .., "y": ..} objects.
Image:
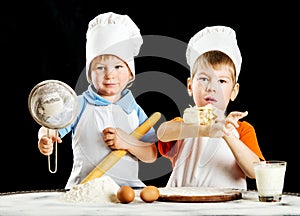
[
  {"x": 206, "y": 162},
  {"x": 89, "y": 148}
]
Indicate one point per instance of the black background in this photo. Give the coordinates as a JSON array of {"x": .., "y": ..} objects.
[{"x": 46, "y": 40}]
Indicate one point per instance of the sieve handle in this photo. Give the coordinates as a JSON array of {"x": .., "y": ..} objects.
[
  {"x": 55, "y": 154},
  {"x": 113, "y": 157}
]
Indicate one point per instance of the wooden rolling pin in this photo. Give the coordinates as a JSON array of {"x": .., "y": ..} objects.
[{"x": 113, "y": 157}]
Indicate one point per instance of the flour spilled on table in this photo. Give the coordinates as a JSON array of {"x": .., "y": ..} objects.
[{"x": 99, "y": 190}]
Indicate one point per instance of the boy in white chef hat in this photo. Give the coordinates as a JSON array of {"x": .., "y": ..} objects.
[
  {"x": 109, "y": 112},
  {"x": 112, "y": 34},
  {"x": 220, "y": 154}
]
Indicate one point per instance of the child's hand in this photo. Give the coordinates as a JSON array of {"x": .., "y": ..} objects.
[
  {"x": 231, "y": 121},
  {"x": 45, "y": 143},
  {"x": 115, "y": 138},
  {"x": 216, "y": 130},
  {"x": 220, "y": 116},
  {"x": 224, "y": 125}
]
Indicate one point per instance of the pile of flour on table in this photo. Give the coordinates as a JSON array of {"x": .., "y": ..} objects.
[{"x": 99, "y": 190}]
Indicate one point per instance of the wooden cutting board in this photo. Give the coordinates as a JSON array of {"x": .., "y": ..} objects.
[{"x": 198, "y": 194}]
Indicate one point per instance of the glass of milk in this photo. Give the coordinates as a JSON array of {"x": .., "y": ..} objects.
[{"x": 269, "y": 179}]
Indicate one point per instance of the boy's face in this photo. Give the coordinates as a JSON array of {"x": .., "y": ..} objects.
[
  {"x": 110, "y": 76},
  {"x": 213, "y": 86}
]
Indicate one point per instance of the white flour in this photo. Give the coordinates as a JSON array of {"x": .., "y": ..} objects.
[
  {"x": 191, "y": 191},
  {"x": 50, "y": 105},
  {"x": 99, "y": 190}
]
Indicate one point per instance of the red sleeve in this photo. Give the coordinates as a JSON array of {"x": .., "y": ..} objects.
[
  {"x": 248, "y": 136},
  {"x": 166, "y": 148},
  {"x": 169, "y": 149}
]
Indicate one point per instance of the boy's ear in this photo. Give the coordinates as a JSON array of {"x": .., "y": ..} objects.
[
  {"x": 235, "y": 92},
  {"x": 189, "y": 86}
]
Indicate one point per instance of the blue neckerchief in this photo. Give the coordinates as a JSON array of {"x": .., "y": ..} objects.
[{"x": 127, "y": 101}]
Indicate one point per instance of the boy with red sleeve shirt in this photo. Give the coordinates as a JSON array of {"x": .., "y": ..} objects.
[{"x": 220, "y": 154}]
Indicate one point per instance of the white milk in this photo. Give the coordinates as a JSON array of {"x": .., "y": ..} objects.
[{"x": 270, "y": 178}]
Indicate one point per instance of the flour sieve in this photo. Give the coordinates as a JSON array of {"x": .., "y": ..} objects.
[{"x": 54, "y": 105}]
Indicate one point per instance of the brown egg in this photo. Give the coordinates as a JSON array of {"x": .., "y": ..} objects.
[
  {"x": 149, "y": 194},
  {"x": 125, "y": 194}
]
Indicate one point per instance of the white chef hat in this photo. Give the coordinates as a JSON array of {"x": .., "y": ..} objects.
[
  {"x": 114, "y": 34},
  {"x": 220, "y": 38}
]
